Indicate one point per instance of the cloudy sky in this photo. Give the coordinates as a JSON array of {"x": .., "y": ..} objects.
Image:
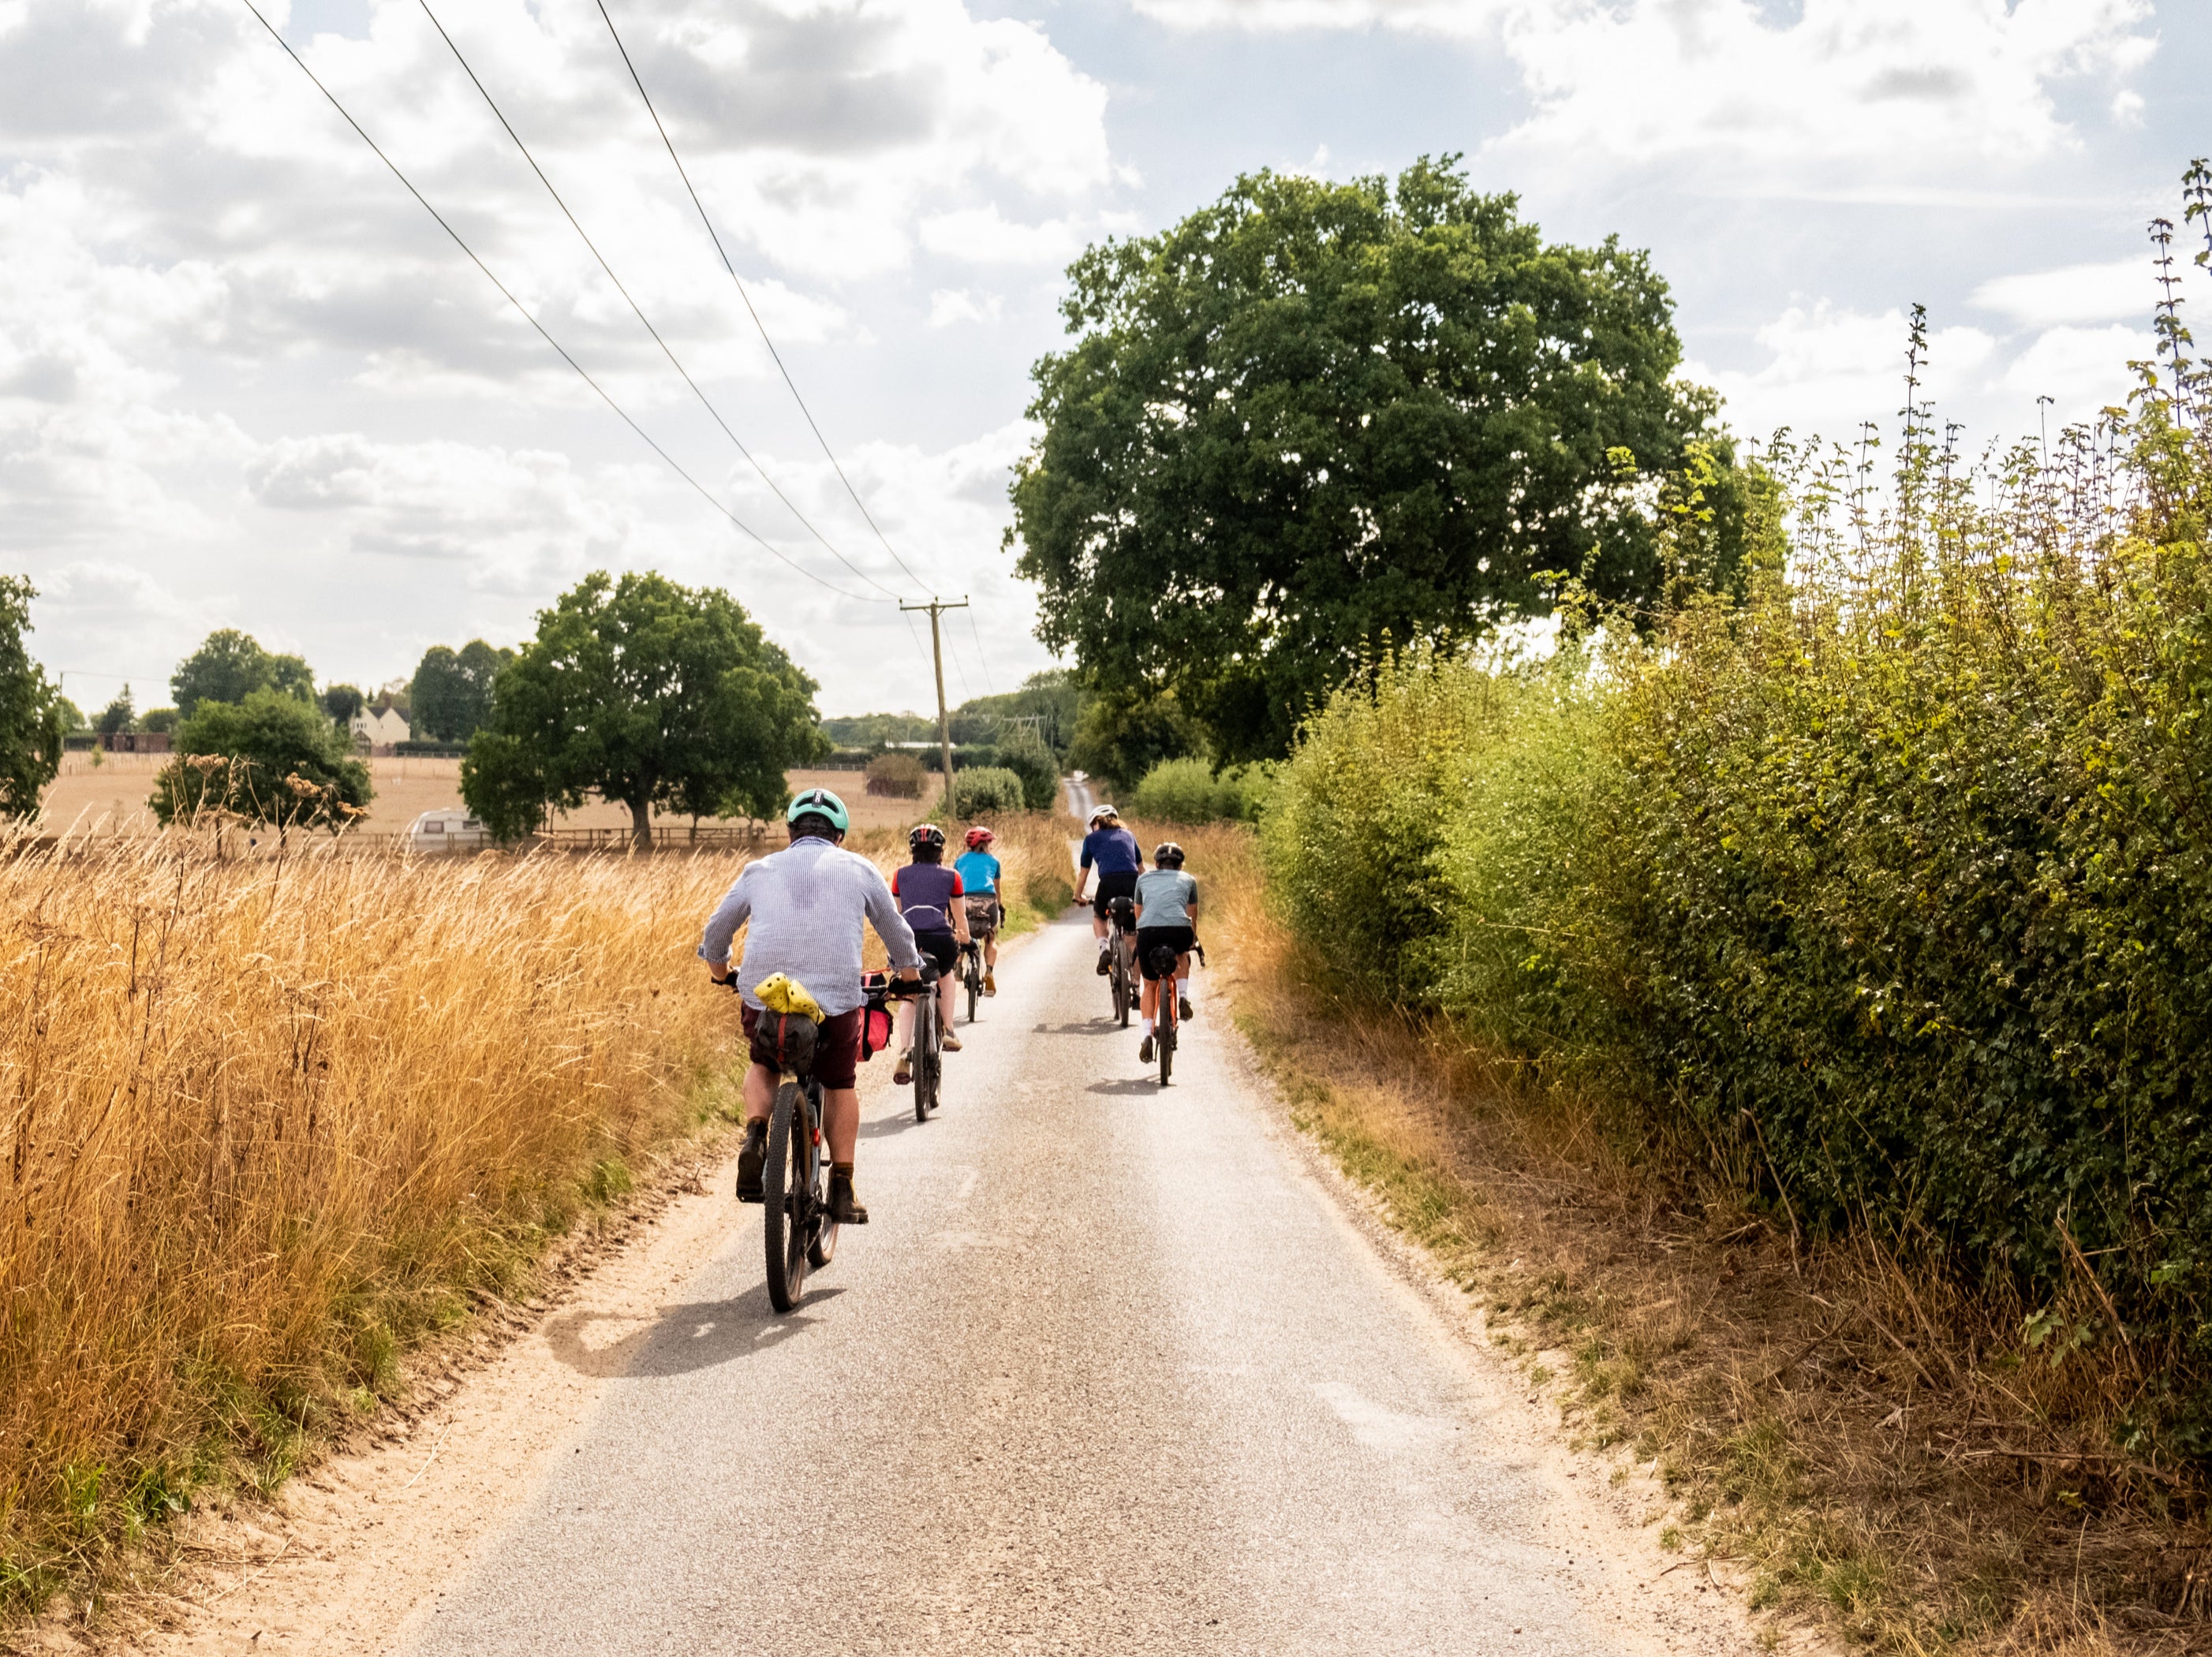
[{"x": 246, "y": 380}]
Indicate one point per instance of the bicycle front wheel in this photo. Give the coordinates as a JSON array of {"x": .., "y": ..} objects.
[{"x": 787, "y": 1196}]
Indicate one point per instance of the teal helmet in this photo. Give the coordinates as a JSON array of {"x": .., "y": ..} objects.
[{"x": 819, "y": 803}]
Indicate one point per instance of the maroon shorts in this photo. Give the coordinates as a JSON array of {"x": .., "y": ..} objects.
[{"x": 836, "y": 1046}]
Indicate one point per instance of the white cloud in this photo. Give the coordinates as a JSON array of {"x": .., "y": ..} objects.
[
  {"x": 950, "y": 304},
  {"x": 985, "y": 236},
  {"x": 1848, "y": 97},
  {"x": 2077, "y": 293},
  {"x": 2081, "y": 369},
  {"x": 1830, "y": 368}
]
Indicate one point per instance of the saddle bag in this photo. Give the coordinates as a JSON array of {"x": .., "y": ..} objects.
[
  {"x": 875, "y": 1014},
  {"x": 785, "y": 1041},
  {"x": 1124, "y": 911}
]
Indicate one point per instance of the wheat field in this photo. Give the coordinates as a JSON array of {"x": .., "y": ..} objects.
[{"x": 262, "y": 1122}]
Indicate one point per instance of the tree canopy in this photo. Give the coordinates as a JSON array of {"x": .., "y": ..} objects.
[
  {"x": 450, "y": 695},
  {"x": 645, "y": 692},
  {"x": 119, "y": 716},
  {"x": 30, "y": 708},
  {"x": 271, "y": 757},
  {"x": 1314, "y": 415},
  {"x": 229, "y": 666}
]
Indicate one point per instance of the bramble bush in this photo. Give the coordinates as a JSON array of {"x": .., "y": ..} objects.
[
  {"x": 1885, "y": 890},
  {"x": 1187, "y": 791}
]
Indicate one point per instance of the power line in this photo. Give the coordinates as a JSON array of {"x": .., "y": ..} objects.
[
  {"x": 983, "y": 660},
  {"x": 744, "y": 528},
  {"x": 705, "y": 402},
  {"x": 777, "y": 356}
]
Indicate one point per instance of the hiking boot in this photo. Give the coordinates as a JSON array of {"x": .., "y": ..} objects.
[
  {"x": 990, "y": 983},
  {"x": 752, "y": 1161},
  {"x": 1103, "y": 967},
  {"x": 1182, "y": 1008},
  {"x": 904, "y": 1073},
  {"x": 1145, "y": 1051},
  {"x": 844, "y": 1207},
  {"x": 949, "y": 1042}
]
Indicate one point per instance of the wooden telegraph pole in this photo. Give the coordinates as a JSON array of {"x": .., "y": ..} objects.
[{"x": 936, "y": 607}]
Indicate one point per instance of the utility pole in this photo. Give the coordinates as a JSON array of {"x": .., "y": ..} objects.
[{"x": 936, "y": 607}]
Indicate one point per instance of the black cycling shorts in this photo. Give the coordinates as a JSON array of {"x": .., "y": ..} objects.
[
  {"x": 1150, "y": 939},
  {"x": 1122, "y": 883},
  {"x": 942, "y": 950}
]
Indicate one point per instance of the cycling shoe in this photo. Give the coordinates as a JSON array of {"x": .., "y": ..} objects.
[{"x": 752, "y": 1161}]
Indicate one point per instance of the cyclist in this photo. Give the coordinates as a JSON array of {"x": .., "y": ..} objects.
[
  {"x": 979, "y": 879},
  {"x": 1167, "y": 916},
  {"x": 1111, "y": 853},
  {"x": 927, "y": 894},
  {"x": 804, "y": 905}
]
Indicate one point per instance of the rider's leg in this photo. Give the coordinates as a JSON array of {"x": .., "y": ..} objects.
[
  {"x": 841, "y": 1121},
  {"x": 945, "y": 987},
  {"x": 902, "y": 1025},
  {"x": 1149, "y": 1004},
  {"x": 760, "y": 1092},
  {"x": 1182, "y": 987}
]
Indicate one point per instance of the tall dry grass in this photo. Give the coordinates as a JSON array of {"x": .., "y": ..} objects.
[{"x": 262, "y": 1122}]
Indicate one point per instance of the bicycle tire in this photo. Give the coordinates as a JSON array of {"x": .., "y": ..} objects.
[
  {"x": 782, "y": 1230},
  {"x": 822, "y": 1241},
  {"x": 1124, "y": 1001},
  {"x": 1164, "y": 1038},
  {"x": 925, "y": 1032},
  {"x": 974, "y": 995}
]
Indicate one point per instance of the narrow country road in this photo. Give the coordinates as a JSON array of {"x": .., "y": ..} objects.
[{"x": 1109, "y": 1373}]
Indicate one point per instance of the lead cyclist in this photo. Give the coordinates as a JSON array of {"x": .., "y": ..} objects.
[{"x": 806, "y": 905}]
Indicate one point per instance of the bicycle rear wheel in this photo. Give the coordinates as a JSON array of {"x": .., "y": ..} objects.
[
  {"x": 924, "y": 1053},
  {"x": 1164, "y": 1038},
  {"x": 974, "y": 989},
  {"x": 787, "y": 1196}
]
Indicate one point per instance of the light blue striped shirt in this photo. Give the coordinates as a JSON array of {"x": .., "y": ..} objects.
[{"x": 806, "y": 905}]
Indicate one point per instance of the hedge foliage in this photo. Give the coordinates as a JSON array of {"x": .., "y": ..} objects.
[
  {"x": 1888, "y": 888},
  {"x": 1189, "y": 791},
  {"x": 987, "y": 791}
]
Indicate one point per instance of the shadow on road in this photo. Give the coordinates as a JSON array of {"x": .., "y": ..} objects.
[
  {"x": 1143, "y": 1084},
  {"x": 679, "y": 1339},
  {"x": 1102, "y": 1025}
]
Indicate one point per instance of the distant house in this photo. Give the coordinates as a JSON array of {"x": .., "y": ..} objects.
[
  {"x": 379, "y": 730},
  {"x": 135, "y": 742}
]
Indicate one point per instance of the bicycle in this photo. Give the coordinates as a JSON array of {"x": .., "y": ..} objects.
[
  {"x": 796, "y": 1230},
  {"x": 971, "y": 974},
  {"x": 1167, "y": 1017},
  {"x": 928, "y": 1054},
  {"x": 1121, "y": 953}
]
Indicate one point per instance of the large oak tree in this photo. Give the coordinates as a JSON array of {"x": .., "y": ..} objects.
[
  {"x": 644, "y": 692},
  {"x": 1315, "y": 416}
]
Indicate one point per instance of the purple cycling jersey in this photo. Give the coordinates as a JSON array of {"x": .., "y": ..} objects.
[{"x": 924, "y": 893}]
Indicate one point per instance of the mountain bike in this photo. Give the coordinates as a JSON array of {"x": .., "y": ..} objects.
[
  {"x": 928, "y": 1050},
  {"x": 971, "y": 974},
  {"x": 796, "y": 1229},
  {"x": 1122, "y": 955}
]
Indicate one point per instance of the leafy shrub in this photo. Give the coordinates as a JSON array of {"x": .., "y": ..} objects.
[
  {"x": 1189, "y": 792},
  {"x": 987, "y": 791},
  {"x": 272, "y": 758},
  {"x": 897, "y": 775},
  {"x": 1888, "y": 889},
  {"x": 1025, "y": 754}
]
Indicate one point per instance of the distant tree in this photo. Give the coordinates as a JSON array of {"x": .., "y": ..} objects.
[
  {"x": 117, "y": 716},
  {"x": 1124, "y": 733},
  {"x": 72, "y": 716},
  {"x": 229, "y": 666},
  {"x": 30, "y": 708},
  {"x": 1317, "y": 415},
  {"x": 646, "y": 693},
  {"x": 451, "y": 692},
  {"x": 391, "y": 697},
  {"x": 1024, "y": 753},
  {"x": 342, "y": 701},
  {"x": 271, "y": 758},
  {"x": 159, "y": 718}
]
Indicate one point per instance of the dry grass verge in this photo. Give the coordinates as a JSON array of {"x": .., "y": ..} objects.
[
  {"x": 1870, "y": 1447},
  {"x": 263, "y": 1125}
]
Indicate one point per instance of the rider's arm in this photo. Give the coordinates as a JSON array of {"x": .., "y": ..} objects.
[
  {"x": 731, "y": 912},
  {"x": 957, "y": 909},
  {"x": 882, "y": 912},
  {"x": 1083, "y": 875}
]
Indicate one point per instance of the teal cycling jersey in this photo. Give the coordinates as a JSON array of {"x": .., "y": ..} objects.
[{"x": 979, "y": 873}]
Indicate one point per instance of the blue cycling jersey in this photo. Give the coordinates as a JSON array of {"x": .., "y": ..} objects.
[
  {"x": 1112, "y": 852},
  {"x": 979, "y": 872}
]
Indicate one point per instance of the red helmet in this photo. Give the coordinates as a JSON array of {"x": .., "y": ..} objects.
[{"x": 979, "y": 835}]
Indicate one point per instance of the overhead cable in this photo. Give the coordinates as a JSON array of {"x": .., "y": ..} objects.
[
  {"x": 705, "y": 402},
  {"x": 777, "y": 356},
  {"x": 704, "y": 494}
]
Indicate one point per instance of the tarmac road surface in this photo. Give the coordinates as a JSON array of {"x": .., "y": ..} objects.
[{"x": 1109, "y": 1372}]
